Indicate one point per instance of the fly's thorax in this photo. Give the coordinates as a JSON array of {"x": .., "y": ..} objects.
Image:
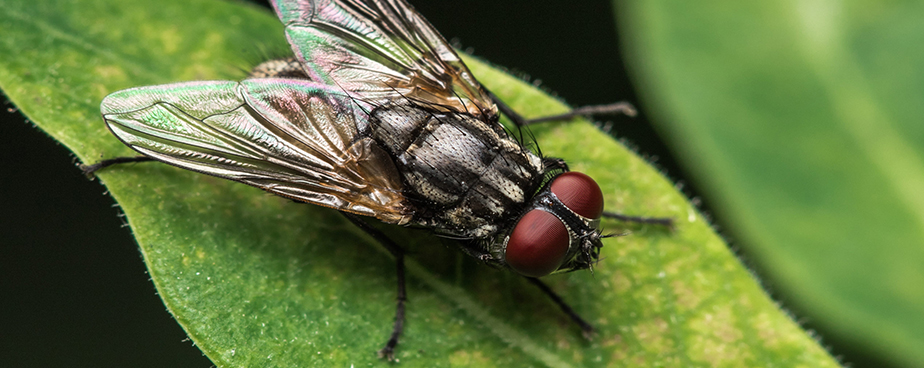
[{"x": 464, "y": 177}]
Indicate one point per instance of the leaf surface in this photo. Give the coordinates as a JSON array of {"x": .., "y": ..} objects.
[{"x": 260, "y": 281}]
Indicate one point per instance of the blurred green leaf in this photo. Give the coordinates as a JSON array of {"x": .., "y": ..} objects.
[
  {"x": 260, "y": 281},
  {"x": 802, "y": 121}
]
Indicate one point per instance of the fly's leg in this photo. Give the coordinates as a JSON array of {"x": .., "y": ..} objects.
[
  {"x": 610, "y": 109},
  {"x": 92, "y": 169},
  {"x": 621, "y": 107},
  {"x": 663, "y": 221},
  {"x": 586, "y": 328},
  {"x": 388, "y": 352}
]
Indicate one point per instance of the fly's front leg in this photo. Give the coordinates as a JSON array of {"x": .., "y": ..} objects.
[
  {"x": 663, "y": 221},
  {"x": 92, "y": 169},
  {"x": 586, "y": 328},
  {"x": 609, "y": 109},
  {"x": 388, "y": 352}
]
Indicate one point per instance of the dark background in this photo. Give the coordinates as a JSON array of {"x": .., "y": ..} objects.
[{"x": 73, "y": 285}]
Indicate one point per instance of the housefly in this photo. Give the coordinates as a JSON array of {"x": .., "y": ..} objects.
[{"x": 377, "y": 116}]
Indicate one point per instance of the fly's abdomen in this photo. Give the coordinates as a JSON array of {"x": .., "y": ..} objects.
[{"x": 465, "y": 175}]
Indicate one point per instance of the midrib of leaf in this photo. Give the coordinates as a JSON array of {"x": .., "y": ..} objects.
[{"x": 847, "y": 90}]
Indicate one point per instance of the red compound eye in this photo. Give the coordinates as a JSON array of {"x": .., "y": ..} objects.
[
  {"x": 580, "y": 193},
  {"x": 538, "y": 244}
]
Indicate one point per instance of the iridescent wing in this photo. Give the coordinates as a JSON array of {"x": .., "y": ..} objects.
[
  {"x": 294, "y": 138},
  {"x": 381, "y": 50}
]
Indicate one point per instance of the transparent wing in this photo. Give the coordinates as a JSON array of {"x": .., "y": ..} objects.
[
  {"x": 381, "y": 49},
  {"x": 293, "y": 138}
]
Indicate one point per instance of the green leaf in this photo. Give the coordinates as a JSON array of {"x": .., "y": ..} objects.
[
  {"x": 802, "y": 121},
  {"x": 260, "y": 281}
]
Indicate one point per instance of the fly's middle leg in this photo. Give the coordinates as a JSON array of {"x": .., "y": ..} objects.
[
  {"x": 586, "y": 328},
  {"x": 388, "y": 352}
]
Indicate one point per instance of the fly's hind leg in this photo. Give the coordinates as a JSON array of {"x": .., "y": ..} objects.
[
  {"x": 621, "y": 107},
  {"x": 89, "y": 170},
  {"x": 388, "y": 352}
]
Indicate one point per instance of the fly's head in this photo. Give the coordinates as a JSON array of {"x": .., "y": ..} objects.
[{"x": 559, "y": 231}]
